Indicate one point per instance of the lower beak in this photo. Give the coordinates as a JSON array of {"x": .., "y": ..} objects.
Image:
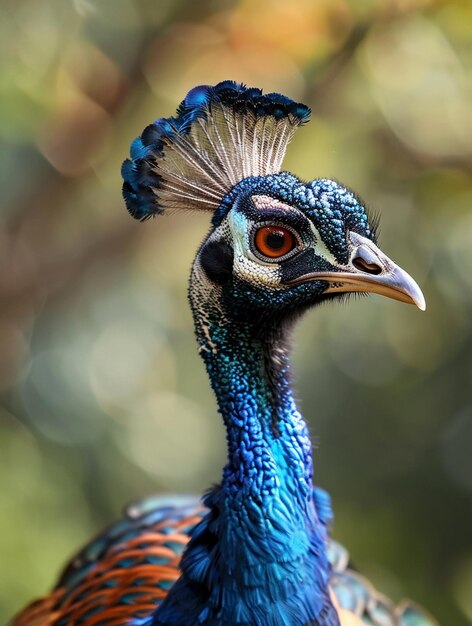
[{"x": 370, "y": 271}]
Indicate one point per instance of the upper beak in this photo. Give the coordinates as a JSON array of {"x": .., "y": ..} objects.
[{"x": 370, "y": 271}]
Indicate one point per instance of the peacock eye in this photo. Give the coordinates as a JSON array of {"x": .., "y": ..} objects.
[{"x": 274, "y": 241}]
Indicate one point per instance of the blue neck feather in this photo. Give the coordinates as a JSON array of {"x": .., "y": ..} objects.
[{"x": 258, "y": 557}]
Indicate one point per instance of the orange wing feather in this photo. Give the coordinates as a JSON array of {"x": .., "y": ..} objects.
[{"x": 128, "y": 581}]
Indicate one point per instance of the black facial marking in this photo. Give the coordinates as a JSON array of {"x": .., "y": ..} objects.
[
  {"x": 291, "y": 218},
  {"x": 300, "y": 264},
  {"x": 216, "y": 259}
]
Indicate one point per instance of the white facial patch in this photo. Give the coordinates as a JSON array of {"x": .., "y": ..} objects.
[
  {"x": 247, "y": 266},
  {"x": 320, "y": 248}
]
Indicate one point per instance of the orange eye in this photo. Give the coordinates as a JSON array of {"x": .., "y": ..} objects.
[{"x": 274, "y": 241}]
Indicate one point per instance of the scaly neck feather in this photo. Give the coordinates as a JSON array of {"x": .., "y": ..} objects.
[{"x": 258, "y": 557}]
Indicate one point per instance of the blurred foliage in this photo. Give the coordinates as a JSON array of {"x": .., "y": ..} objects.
[{"x": 104, "y": 398}]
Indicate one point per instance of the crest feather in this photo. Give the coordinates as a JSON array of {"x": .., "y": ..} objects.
[{"x": 218, "y": 136}]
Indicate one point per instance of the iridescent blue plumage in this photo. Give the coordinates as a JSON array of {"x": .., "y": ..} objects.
[{"x": 259, "y": 556}]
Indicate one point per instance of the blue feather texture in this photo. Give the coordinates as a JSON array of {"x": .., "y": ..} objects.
[{"x": 259, "y": 556}]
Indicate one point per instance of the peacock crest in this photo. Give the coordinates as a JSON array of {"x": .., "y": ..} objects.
[{"x": 219, "y": 136}]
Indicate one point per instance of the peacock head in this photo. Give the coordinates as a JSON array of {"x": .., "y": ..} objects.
[
  {"x": 280, "y": 244},
  {"x": 277, "y": 244}
]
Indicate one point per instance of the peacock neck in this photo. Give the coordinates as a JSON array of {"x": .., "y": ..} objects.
[
  {"x": 269, "y": 449},
  {"x": 259, "y": 555},
  {"x": 270, "y": 530}
]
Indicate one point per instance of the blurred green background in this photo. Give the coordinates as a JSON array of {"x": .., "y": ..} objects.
[{"x": 104, "y": 399}]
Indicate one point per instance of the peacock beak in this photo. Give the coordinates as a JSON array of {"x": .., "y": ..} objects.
[{"x": 370, "y": 271}]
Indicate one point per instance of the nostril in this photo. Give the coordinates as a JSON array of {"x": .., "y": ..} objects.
[{"x": 365, "y": 266}]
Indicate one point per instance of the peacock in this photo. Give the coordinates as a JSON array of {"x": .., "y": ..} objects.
[{"x": 256, "y": 550}]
